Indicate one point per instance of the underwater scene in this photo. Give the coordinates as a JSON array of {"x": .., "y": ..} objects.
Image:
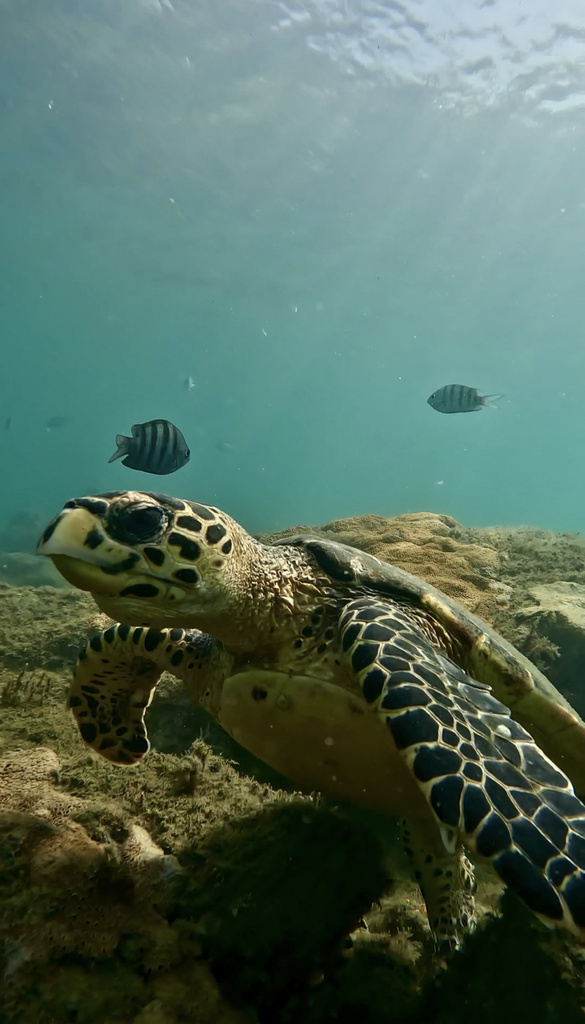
[{"x": 292, "y": 551}]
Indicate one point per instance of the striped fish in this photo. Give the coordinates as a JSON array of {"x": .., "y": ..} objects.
[
  {"x": 460, "y": 398},
  {"x": 155, "y": 447}
]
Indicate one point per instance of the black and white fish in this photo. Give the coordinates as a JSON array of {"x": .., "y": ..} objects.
[
  {"x": 155, "y": 447},
  {"x": 460, "y": 398}
]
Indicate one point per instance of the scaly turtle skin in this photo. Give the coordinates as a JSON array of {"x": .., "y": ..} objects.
[{"x": 345, "y": 674}]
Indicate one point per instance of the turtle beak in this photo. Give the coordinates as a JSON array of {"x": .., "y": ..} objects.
[
  {"x": 84, "y": 555},
  {"x": 67, "y": 534}
]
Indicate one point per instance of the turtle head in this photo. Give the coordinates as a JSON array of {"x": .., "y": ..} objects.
[{"x": 151, "y": 559}]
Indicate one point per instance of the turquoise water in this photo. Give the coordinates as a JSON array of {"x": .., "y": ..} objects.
[{"x": 321, "y": 213}]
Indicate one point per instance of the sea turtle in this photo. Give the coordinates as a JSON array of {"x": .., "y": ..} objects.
[{"x": 347, "y": 675}]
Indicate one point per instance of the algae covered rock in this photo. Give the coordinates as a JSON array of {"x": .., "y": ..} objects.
[
  {"x": 268, "y": 933},
  {"x": 551, "y": 623},
  {"x": 427, "y": 544},
  {"x": 44, "y": 626},
  {"x": 84, "y": 933},
  {"x": 84, "y": 880}
]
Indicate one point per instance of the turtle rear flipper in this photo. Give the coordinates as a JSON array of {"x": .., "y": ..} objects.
[
  {"x": 115, "y": 678},
  {"x": 446, "y": 880},
  {"x": 487, "y": 783}
]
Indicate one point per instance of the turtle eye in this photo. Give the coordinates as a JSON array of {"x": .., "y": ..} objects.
[{"x": 136, "y": 524}]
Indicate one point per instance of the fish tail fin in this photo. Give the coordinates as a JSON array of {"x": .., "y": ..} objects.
[
  {"x": 490, "y": 401},
  {"x": 123, "y": 448}
]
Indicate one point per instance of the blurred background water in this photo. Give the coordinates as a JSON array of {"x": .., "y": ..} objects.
[{"x": 320, "y": 211}]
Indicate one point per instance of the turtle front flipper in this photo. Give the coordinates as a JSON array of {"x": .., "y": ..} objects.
[
  {"x": 115, "y": 677},
  {"x": 487, "y": 783}
]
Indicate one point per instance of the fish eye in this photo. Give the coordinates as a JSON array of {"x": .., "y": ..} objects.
[{"x": 137, "y": 523}]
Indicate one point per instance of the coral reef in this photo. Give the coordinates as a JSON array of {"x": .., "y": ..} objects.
[
  {"x": 194, "y": 889},
  {"x": 426, "y": 544}
]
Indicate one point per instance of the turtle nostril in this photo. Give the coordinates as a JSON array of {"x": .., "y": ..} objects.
[{"x": 135, "y": 524}]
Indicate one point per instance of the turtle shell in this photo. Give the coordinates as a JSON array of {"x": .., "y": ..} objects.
[{"x": 532, "y": 699}]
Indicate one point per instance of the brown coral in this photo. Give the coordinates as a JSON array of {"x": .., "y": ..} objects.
[{"x": 426, "y": 544}]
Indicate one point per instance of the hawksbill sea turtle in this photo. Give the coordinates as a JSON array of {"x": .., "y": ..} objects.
[{"x": 347, "y": 675}]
